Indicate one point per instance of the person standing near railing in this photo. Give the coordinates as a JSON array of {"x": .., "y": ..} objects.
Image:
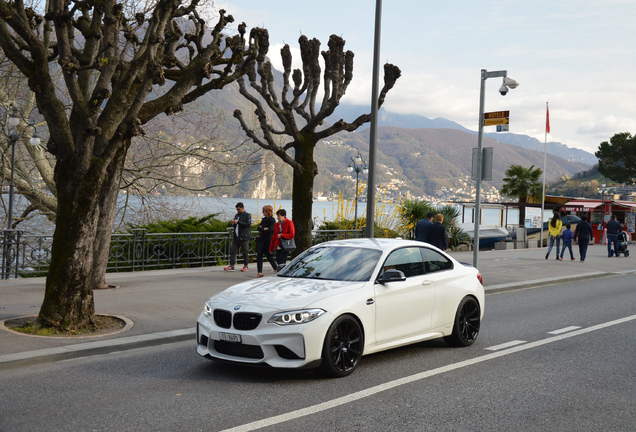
[
  {"x": 283, "y": 239},
  {"x": 265, "y": 231},
  {"x": 241, "y": 233}
]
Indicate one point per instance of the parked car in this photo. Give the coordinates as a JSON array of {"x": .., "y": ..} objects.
[{"x": 340, "y": 300}]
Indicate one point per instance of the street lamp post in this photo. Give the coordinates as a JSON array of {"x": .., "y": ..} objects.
[
  {"x": 12, "y": 123},
  {"x": 12, "y": 129},
  {"x": 507, "y": 84},
  {"x": 358, "y": 166},
  {"x": 374, "y": 119}
]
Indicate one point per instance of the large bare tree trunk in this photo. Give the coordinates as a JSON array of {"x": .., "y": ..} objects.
[
  {"x": 68, "y": 300},
  {"x": 303, "y": 194},
  {"x": 107, "y": 210}
]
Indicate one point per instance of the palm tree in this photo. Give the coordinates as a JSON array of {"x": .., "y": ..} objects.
[{"x": 522, "y": 183}]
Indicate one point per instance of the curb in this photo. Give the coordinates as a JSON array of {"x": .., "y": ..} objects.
[
  {"x": 96, "y": 347},
  {"x": 551, "y": 281},
  {"x": 128, "y": 324}
]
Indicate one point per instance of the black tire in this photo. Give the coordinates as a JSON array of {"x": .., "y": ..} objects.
[
  {"x": 467, "y": 323},
  {"x": 626, "y": 254},
  {"x": 342, "y": 348}
]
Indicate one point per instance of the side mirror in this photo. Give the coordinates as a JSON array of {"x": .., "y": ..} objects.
[{"x": 391, "y": 276}]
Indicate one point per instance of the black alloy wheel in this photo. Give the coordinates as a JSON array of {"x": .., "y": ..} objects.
[
  {"x": 467, "y": 322},
  {"x": 343, "y": 346}
]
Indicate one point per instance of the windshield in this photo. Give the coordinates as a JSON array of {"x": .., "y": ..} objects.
[{"x": 334, "y": 263}]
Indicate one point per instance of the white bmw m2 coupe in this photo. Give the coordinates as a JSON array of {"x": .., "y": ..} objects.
[{"x": 340, "y": 300}]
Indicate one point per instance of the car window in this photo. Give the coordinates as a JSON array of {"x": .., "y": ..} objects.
[
  {"x": 408, "y": 260},
  {"x": 435, "y": 261},
  {"x": 334, "y": 263}
]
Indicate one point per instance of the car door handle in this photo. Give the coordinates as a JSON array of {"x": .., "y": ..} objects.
[{"x": 424, "y": 283}]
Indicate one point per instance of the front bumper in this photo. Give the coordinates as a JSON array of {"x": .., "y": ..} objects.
[{"x": 293, "y": 346}]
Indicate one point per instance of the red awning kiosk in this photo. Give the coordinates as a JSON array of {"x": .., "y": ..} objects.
[{"x": 599, "y": 213}]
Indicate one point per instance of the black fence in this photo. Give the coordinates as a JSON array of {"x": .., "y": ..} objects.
[{"x": 27, "y": 255}]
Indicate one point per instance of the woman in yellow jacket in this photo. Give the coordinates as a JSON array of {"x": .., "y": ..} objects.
[{"x": 554, "y": 230}]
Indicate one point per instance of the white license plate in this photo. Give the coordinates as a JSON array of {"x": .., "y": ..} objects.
[{"x": 230, "y": 337}]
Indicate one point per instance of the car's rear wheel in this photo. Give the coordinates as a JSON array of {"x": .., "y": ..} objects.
[
  {"x": 467, "y": 323},
  {"x": 343, "y": 346}
]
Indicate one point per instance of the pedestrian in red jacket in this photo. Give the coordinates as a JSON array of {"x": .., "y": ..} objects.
[{"x": 283, "y": 238}]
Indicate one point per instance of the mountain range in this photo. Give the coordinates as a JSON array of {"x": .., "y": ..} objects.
[{"x": 417, "y": 156}]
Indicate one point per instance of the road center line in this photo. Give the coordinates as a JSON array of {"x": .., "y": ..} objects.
[
  {"x": 313, "y": 409},
  {"x": 505, "y": 345},
  {"x": 563, "y": 330}
]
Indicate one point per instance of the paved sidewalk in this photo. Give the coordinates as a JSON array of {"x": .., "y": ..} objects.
[{"x": 166, "y": 300}]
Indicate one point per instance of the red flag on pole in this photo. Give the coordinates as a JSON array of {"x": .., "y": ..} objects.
[{"x": 547, "y": 118}]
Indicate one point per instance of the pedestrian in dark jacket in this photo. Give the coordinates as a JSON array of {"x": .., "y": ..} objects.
[
  {"x": 265, "y": 231},
  {"x": 241, "y": 233},
  {"x": 614, "y": 228},
  {"x": 423, "y": 227},
  {"x": 438, "y": 236},
  {"x": 582, "y": 235}
]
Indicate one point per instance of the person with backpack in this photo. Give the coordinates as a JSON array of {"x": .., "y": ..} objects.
[
  {"x": 283, "y": 238},
  {"x": 583, "y": 235},
  {"x": 241, "y": 234},
  {"x": 265, "y": 232},
  {"x": 554, "y": 235},
  {"x": 567, "y": 237}
]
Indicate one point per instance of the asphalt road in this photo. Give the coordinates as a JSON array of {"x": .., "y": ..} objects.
[{"x": 518, "y": 376}]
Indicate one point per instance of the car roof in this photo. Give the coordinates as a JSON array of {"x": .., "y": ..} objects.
[{"x": 382, "y": 244}]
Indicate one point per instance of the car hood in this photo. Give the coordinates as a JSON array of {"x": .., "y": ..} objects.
[{"x": 276, "y": 293}]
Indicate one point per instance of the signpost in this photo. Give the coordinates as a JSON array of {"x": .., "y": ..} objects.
[
  {"x": 497, "y": 118},
  {"x": 502, "y": 128}
]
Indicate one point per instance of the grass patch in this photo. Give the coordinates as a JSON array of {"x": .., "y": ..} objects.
[{"x": 31, "y": 326}]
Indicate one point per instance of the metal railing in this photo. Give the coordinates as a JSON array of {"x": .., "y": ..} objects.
[{"x": 25, "y": 255}]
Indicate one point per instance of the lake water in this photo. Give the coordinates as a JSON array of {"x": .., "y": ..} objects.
[{"x": 166, "y": 207}]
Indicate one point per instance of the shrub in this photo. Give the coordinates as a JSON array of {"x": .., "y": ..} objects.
[
  {"x": 411, "y": 211},
  {"x": 207, "y": 223}
]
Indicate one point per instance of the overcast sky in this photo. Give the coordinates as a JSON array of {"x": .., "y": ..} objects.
[{"x": 580, "y": 55}]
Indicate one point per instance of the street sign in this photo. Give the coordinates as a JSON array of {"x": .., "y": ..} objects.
[
  {"x": 486, "y": 163},
  {"x": 496, "y": 118},
  {"x": 502, "y": 128}
]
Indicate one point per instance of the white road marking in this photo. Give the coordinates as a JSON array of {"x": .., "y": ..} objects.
[
  {"x": 505, "y": 345},
  {"x": 563, "y": 330},
  {"x": 313, "y": 409}
]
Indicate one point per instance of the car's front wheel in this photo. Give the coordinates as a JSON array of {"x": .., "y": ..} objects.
[
  {"x": 343, "y": 346},
  {"x": 467, "y": 323}
]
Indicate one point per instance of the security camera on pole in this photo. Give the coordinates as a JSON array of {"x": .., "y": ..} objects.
[{"x": 478, "y": 158}]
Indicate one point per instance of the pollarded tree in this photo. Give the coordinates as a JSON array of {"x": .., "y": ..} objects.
[
  {"x": 522, "y": 183},
  {"x": 296, "y": 117},
  {"x": 119, "y": 70}
]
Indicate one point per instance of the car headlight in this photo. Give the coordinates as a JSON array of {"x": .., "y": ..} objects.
[
  {"x": 207, "y": 309},
  {"x": 296, "y": 317}
]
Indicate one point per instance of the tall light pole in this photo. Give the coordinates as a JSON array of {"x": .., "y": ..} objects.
[
  {"x": 12, "y": 130},
  {"x": 374, "y": 119},
  {"x": 507, "y": 84},
  {"x": 358, "y": 166},
  {"x": 12, "y": 122},
  {"x": 545, "y": 167}
]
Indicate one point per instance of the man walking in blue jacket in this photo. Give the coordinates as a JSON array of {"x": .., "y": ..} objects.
[{"x": 423, "y": 228}]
